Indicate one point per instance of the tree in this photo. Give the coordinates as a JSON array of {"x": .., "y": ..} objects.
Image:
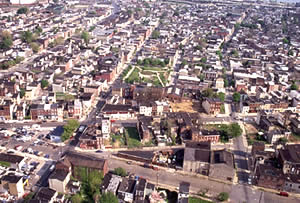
[
  {"x": 108, "y": 197},
  {"x": 290, "y": 53},
  {"x": 167, "y": 60},
  {"x": 35, "y": 47},
  {"x": 236, "y": 97},
  {"x": 223, "y": 196},
  {"x": 27, "y": 36},
  {"x": 23, "y": 10},
  {"x": 285, "y": 41},
  {"x": 282, "y": 140},
  {"x": 139, "y": 62},
  {"x": 198, "y": 47},
  {"x": 184, "y": 62},
  {"x": 208, "y": 93},
  {"x": 294, "y": 86},
  {"x": 19, "y": 59},
  {"x": 6, "y": 40},
  {"x": 44, "y": 83},
  {"x": 226, "y": 83},
  {"x": 221, "y": 96},
  {"x": 69, "y": 129},
  {"x": 235, "y": 53},
  {"x": 120, "y": 171},
  {"x": 85, "y": 36},
  {"x": 76, "y": 198},
  {"x": 155, "y": 34},
  {"x": 219, "y": 54},
  {"x": 234, "y": 130},
  {"x": 38, "y": 30},
  {"x": 22, "y": 92}
]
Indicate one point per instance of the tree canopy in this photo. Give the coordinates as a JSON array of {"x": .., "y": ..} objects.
[
  {"x": 85, "y": 36},
  {"x": 69, "y": 129},
  {"x": 6, "y": 40},
  {"x": 23, "y": 10},
  {"x": 76, "y": 198},
  {"x": 27, "y": 36},
  {"x": 294, "y": 86},
  {"x": 230, "y": 131},
  {"x": 236, "y": 97},
  {"x": 223, "y": 196},
  {"x": 221, "y": 96},
  {"x": 44, "y": 83},
  {"x": 35, "y": 47},
  {"x": 155, "y": 34},
  {"x": 108, "y": 197},
  {"x": 120, "y": 171}
]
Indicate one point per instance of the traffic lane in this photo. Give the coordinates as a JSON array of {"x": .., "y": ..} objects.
[
  {"x": 275, "y": 198},
  {"x": 242, "y": 193}
]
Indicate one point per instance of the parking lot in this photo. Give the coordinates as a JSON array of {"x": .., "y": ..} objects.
[
  {"x": 36, "y": 146},
  {"x": 28, "y": 141}
]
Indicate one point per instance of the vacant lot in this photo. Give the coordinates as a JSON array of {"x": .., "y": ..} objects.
[
  {"x": 132, "y": 137},
  {"x": 250, "y": 129},
  {"x": 185, "y": 106}
]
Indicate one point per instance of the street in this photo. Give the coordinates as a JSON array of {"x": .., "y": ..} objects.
[{"x": 238, "y": 193}]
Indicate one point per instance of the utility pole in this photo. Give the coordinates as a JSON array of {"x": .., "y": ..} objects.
[
  {"x": 157, "y": 179},
  {"x": 260, "y": 196}
]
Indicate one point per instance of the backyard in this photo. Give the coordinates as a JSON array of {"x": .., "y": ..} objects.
[{"x": 226, "y": 131}]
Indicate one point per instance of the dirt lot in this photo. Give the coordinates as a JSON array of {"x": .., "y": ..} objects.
[
  {"x": 185, "y": 106},
  {"x": 250, "y": 129}
]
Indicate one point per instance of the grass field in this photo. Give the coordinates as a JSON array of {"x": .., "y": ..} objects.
[
  {"x": 132, "y": 137},
  {"x": 198, "y": 200},
  {"x": 134, "y": 76}
]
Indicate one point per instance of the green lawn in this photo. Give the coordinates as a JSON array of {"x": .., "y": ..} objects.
[
  {"x": 132, "y": 137},
  {"x": 198, "y": 200},
  {"x": 4, "y": 164},
  {"x": 64, "y": 96},
  {"x": 134, "y": 76},
  {"x": 163, "y": 78},
  {"x": 152, "y": 68}
]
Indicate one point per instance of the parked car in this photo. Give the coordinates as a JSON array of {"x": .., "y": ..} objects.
[
  {"x": 285, "y": 194},
  {"x": 18, "y": 147}
]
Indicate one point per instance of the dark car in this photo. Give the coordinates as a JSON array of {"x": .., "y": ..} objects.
[
  {"x": 99, "y": 151},
  {"x": 41, "y": 137}
]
